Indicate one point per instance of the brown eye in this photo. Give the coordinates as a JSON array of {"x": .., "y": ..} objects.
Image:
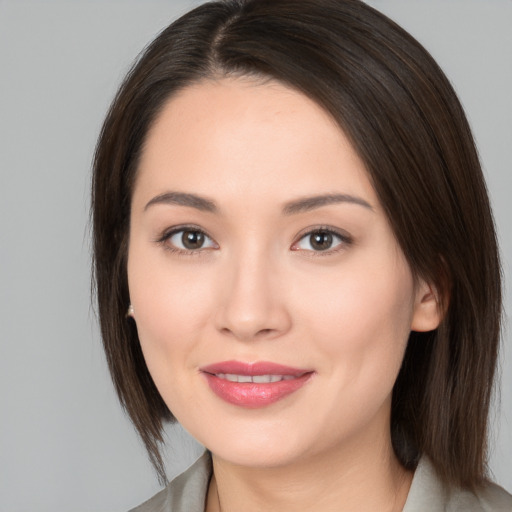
[
  {"x": 188, "y": 240},
  {"x": 192, "y": 239},
  {"x": 320, "y": 241}
]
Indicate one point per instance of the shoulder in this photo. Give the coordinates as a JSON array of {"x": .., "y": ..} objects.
[
  {"x": 185, "y": 493},
  {"x": 490, "y": 498},
  {"x": 429, "y": 493}
]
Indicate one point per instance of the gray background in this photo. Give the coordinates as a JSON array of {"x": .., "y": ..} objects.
[{"x": 65, "y": 445}]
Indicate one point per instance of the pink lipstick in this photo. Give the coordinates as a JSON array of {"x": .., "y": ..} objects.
[{"x": 254, "y": 385}]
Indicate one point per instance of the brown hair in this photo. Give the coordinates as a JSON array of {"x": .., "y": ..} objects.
[{"x": 403, "y": 118}]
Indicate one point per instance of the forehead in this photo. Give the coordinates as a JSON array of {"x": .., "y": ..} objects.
[{"x": 246, "y": 137}]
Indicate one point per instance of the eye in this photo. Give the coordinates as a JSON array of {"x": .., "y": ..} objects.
[
  {"x": 321, "y": 240},
  {"x": 187, "y": 239}
]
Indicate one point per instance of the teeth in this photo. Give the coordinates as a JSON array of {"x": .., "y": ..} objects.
[
  {"x": 258, "y": 379},
  {"x": 261, "y": 379}
]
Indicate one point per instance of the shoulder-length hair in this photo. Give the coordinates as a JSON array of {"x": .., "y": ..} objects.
[{"x": 404, "y": 120}]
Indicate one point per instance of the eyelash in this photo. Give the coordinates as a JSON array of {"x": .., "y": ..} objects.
[
  {"x": 345, "y": 240},
  {"x": 168, "y": 234}
]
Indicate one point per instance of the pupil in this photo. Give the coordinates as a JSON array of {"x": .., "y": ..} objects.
[
  {"x": 321, "y": 241},
  {"x": 192, "y": 239}
]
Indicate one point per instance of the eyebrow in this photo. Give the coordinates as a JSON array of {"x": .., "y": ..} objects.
[
  {"x": 296, "y": 206},
  {"x": 306, "y": 204},
  {"x": 183, "y": 199}
]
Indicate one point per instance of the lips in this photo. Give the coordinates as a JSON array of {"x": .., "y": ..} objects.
[{"x": 254, "y": 385}]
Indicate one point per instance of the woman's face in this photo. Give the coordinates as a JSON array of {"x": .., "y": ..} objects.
[{"x": 257, "y": 242}]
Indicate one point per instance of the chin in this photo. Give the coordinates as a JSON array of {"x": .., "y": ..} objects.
[
  {"x": 257, "y": 456},
  {"x": 260, "y": 447}
]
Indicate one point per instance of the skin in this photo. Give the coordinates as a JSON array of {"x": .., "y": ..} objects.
[{"x": 257, "y": 290}]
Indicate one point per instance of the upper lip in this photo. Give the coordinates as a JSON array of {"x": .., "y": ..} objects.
[{"x": 255, "y": 368}]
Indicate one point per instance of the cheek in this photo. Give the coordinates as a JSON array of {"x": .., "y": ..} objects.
[
  {"x": 169, "y": 318},
  {"x": 171, "y": 308},
  {"x": 359, "y": 324},
  {"x": 360, "y": 318}
]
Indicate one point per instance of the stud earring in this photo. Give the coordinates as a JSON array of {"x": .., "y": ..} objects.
[{"x": 130, "y": 312}]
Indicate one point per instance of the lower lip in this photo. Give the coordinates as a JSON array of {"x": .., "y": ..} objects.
[{"x": 254, "y": 395}]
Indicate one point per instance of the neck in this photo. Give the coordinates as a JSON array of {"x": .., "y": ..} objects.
[{"x": 361, "y": 478}]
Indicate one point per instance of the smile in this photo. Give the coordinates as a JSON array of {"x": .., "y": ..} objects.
[
  {"x": 258, "y": 379},
  {"x": 254, "y": 385}
]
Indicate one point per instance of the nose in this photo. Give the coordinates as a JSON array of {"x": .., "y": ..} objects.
[{"x": 251, "y": 302}]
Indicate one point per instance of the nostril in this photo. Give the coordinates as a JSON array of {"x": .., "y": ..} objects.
[{"x": 263, "y": 332}]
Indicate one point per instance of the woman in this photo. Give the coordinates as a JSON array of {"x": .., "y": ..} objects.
[{"x": 295, "y": 258}]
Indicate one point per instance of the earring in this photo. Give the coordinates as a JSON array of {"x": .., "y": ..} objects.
[{"x": 130, "y": 312}]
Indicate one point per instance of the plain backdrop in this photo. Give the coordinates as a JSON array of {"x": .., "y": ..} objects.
[{"x": 65, "y": 444}]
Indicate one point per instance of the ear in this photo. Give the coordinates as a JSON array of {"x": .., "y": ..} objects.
[
  {"x": 427, "y": 313},
  {"x": 130, "y": 313}
]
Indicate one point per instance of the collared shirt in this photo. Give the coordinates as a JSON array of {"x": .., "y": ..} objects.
[{"x": 187, "y": 493}]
